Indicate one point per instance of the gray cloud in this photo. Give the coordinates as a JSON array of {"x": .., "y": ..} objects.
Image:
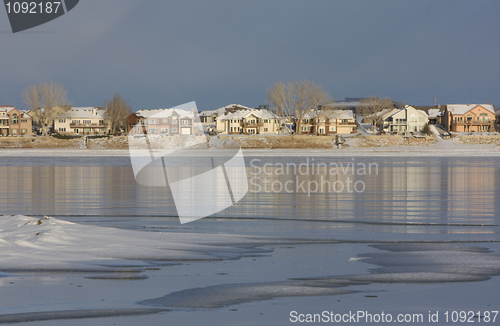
[{"x": 161, "y": 54}]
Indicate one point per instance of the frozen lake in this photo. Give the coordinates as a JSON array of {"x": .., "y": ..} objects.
[{"x": 364, "y": 233}]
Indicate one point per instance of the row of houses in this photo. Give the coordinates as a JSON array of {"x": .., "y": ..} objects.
[
  {"x": 238, "y": 119},
  {"x": 453, "y": 117}
]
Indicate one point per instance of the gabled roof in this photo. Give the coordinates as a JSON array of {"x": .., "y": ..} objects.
[
  {"x": 164, "y": 113},
  {"x": 464, "y": 108},
  {"x": 7, "y": 108},
  {"x": 421, "y": 112}
]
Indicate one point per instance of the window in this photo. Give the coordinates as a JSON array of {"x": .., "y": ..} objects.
[
  {"x": 165, "y": 121},
  {"x": 14, "y": 131},
  {"x": 76, "y": 122},
  {"x": 62, "y": 129},
  {"x": 77, "y": 131},
  {"x": 152, "y": 130},
  {"x": 23, "y": 131},
  {"x": 62, "y": 120},
  {"x": 185, "y": 122},
  {"x": 15, "y": 120},
  {"x": 87, "y": 121},
  {"x": 24, "y": 120},
  {"x": 174, "y": 121},
  {"x": 101, "y": 122},
  {"x": 265, "y": 129},
  {"x": 164, "y": 130},
  {"x": 174, "y": 130},
  {"x": 333, "y": 128}
]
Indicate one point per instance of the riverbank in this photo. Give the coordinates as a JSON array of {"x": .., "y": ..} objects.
[{"x": 478, "y": 143}]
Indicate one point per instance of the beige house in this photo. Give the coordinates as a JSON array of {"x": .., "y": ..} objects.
[
  {"x": 327, "y": 122},
  {"x": 82, "y": 121},
  {"x": 209, "y": 118},
  {"x": 249, "y": 122},
  {"x": 14, "y": 122}
]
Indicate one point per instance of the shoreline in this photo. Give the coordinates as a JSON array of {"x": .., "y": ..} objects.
[{"x": 400, "y": 151}]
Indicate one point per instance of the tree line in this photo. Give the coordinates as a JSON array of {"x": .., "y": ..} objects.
[
  {"x": 46, "y": 101},
  {"x": 290, "y": 100},
  {"x": 295, "y": 99}
]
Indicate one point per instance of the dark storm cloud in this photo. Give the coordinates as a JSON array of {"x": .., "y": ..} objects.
[{"x": 161, "y": 54}]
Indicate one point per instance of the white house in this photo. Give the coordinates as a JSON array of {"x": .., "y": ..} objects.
[
  {"x": 167, "y": 122},
  {"x": 407, "y": 119}
]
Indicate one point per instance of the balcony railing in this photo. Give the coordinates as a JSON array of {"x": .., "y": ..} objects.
[{"x": 87, "y": 125}]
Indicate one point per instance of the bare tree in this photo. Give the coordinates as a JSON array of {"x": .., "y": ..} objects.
[
  {"x": 320, "y": 101},
  {"x": 116, "y": 113},
  {"x": 280, "y": 96},
  {"x": 296, "y": 99},
  {"x": 46, "y": 102},
  {"x": 373, "y": 108}
]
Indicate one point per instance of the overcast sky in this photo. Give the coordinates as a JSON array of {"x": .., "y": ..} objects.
[{"x": 159, "y": 54}]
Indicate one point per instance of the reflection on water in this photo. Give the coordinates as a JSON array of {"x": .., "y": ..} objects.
[{"x": 437, "y": 190}]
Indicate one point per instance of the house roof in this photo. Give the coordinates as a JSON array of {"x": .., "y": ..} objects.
[
  {"x": 464, "y": 108},
  {"x": 242, "y": 114},
  {"x": 83, "y": 113},
  {"x": 6, "y": 108},
  {"x": 330, "y": 114},
  {"x": 339, "y": 114},
  {"x": 164, "y": 113},
  {"x": 433, "y": 113},
  {"x": 228, "y": 108},
  {"x": 393, "y": 112}
]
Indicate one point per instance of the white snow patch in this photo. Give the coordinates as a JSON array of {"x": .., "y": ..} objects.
[{"x": 28, "y": 243}]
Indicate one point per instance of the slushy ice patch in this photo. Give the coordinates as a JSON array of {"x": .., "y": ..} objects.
[
  {"x": 230, "y": 294},
  {"x": 434, "y": 259},
  {"x": 399, "y": 263}
]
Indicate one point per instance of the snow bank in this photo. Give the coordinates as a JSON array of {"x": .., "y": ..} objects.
[{"x": 49, "y": 244}]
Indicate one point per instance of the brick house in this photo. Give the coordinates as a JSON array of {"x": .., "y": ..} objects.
[
  {"x": 14, "y": 122},
  {"x": 469, "y": 118}
]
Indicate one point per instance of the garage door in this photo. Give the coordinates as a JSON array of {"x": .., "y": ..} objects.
[{"x": 185, "y": 131}]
